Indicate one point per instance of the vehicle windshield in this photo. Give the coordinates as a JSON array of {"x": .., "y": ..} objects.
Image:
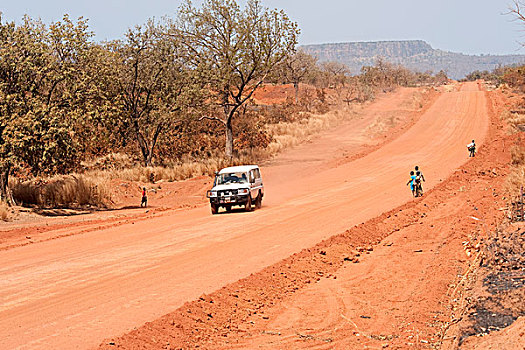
[{"x": 231, "y": 178}]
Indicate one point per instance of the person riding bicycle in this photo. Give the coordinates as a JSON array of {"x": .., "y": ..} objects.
[
  {"x": 411, "y": 183},
  {"x": 472, "y": 149}
]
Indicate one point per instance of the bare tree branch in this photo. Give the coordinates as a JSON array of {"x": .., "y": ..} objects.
[{"x": 213, "y": 119}]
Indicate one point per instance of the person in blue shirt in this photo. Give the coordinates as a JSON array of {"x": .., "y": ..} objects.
[{"x": 411, "y": 183}]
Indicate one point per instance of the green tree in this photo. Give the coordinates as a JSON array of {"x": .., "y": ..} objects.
[
  {"x": 336, "y": 74},
  {"x": 238, "y": 48},
  {"x": 151, "y": 85},
  {"x": 297, "y": 69},
  {"x": 38, "y": 96}
]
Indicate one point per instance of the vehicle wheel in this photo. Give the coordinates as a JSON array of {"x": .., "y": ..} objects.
[
  {"x": 214, "y": 209},
  {"x": 228, "y": 208},
  {"x": 258, "y": 201},
  {"x": 248, "y": 205}
]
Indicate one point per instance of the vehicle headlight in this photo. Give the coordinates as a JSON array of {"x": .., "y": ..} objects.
[
  {"x": 212, "y": 193},
  {"x": 243, "y": 191}
]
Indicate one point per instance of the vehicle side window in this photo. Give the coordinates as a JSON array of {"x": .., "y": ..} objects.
[
  {"x": 257, "y": 174},
  {"x": 252, "y": 178}
]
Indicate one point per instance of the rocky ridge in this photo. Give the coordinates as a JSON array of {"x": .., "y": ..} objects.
[{"x": 417, "y": 55}]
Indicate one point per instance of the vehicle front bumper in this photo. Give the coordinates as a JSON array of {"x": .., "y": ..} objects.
[{"x": 229, "y": 200}]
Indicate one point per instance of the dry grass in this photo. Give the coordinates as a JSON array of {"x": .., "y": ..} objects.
[
  {"x": 65, "y": 191},
  {"x": 290, "y": 134},
  {"x": 4, "y": 212},
  {"x": 284, "y": 135},
  {"x": 450, "y": 87},
  {"x": 516, "y": 178},
  {"x": 516, "y": 121},
  {"x": 416, "y": 102},
  {"x": 184, "y": 170},
  {"x": 381, "y": 125}
]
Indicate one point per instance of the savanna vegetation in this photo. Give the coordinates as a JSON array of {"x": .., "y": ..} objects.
[{"x": 171, "y": 99}]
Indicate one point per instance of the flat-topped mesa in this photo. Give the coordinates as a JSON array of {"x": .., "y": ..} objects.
[
  {"x": 404, "y": 48},
  {"x": 416, "y": 55}
]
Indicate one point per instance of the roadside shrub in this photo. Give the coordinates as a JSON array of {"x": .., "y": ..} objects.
[
  {"x": 184, "y": 170},
  {"x": 516, "y": 178},
  {"x": 517, "y": 154},
  {"x": 65, "y": 191},
  {"x": 4, "y": 212},
  {"x": 515, "y": 78},
  {"x": 515, "y": 121}
]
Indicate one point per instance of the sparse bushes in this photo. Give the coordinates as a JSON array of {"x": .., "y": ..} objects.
[
  {"x": 4, "y": 211},
  {"x": 64, "y": 191},
  {"x": 186, "y": 169},
  {"x": 515, "y": 78},
  {"x": 515, "y": 181},
  {"x": 484, "y": 75}
]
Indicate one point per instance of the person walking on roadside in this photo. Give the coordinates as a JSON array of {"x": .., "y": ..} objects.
[
  {"x": 418, "y": 188},
  {"x": 411, "y": 183},
  {"x": 416, "y": 169},
  {"x": 144, "y": 201},
  {"x": 472, "y": 149},
  {"x": 421, "y": 178}
]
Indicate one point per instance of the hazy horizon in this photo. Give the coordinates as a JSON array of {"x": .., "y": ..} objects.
[{"x": 470, "y": 26}]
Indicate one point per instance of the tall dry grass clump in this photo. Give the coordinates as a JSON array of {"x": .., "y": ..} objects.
[
  {"x": 184, "y": 170},
  {"x": 516, "y": 121},
  {"x": 515, "y": 183},
  {"x": 516, "y": 178},
  {"x": 4, "y": 212},
  {"x": 64, "y": 191}
]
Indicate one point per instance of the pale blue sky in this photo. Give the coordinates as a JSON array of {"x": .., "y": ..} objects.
[{"x": 468, "y": 26}]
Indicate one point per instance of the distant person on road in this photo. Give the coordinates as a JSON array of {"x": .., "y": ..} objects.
[
  {"x": 411, "y": 183},
  {"x": 144, "y": 201},
  {"x": 472, "y": 149}
]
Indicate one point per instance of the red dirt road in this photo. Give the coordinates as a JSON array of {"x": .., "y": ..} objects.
[{"x": 75, "y": 291}]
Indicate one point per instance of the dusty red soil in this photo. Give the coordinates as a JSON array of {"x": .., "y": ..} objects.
[
  {"x": 106, "y": 277},
  {"x": 163, "y": 197},
  {"x": 387, "y": 282},
  {"x": 270, "y": 94}
]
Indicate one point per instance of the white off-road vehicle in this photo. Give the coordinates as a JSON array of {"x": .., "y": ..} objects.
[{"x": 237, "y": 186}]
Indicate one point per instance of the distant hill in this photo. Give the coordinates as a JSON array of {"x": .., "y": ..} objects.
[{"x": 417, "y": 55}]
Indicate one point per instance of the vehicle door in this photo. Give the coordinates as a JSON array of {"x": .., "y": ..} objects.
[
  {"x": 251, "y": 180},
  {"x": 257, "y": 183},
  {"x": 258, "y": 180}
]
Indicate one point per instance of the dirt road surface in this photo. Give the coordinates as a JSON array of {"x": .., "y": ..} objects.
[{"x": 75, "y": 291}]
